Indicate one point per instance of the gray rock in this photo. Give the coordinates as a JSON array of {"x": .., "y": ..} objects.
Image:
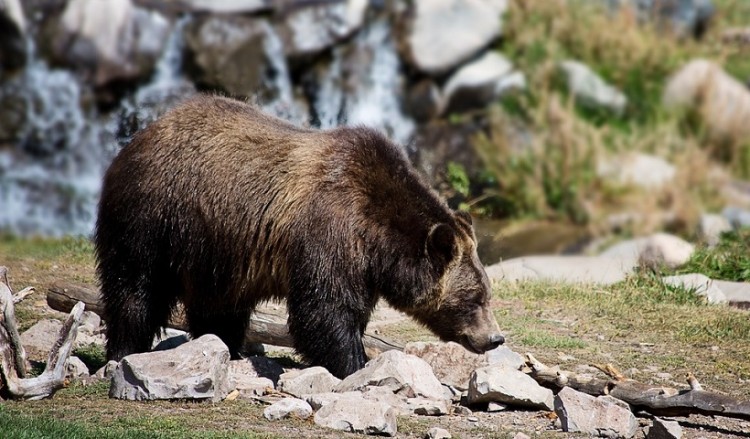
[
  {"x": 664, "y": 430},
  {"x": 736, "y": 216},
  {"x": 451, "y": 362},
  {"x": 194, "y": 370},
  {"x": 428, "y": 407},
  {"x": 106, "y": 371},
  {"x": 504, "y": 356},
  {"x": 319, "y": 400},
  {"x": 310, "y": 29},
  {"x": 700, "y": 283},
  {"x": 637, "y": 169},
  {"x": 507, "y": 386},
  {"x": 438, "y": 433},
  {"x": 590, "y": 89},
  {"x": 737, "y": 293},
  {"x": 75, "y": 368},
  {"x": 443, "y": 33},
  {"x": 288, "y": 408},
  {"x": 90, "y": 323},
  {"x": 480, "y": 82},
  {"x": 705, "y": 88},
  {"x": 601, "y": 270},
  {"x": 228, "y": 53},
  {"x": 39, "y": 339},
  {"x": 579, "y": 412},
  {"x": 397, "y": 371},
  {"x": 125, "y": 46},
  {"x": 711, "y": 227},
  {"x": 358, "y": 415},
  {"x": 659, "y": 249},
  {"x": 226, "y": 6},
  {"x": 307, "y": 381},
  {"x": 244, "y": 376}
]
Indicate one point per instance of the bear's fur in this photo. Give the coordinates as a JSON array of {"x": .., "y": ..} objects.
[{"x": 220, "y": 206}]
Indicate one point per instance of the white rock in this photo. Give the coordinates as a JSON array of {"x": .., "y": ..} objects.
[
  {"x": 288, "y": 408},
  {"x": 507, "y": 386},
  {"x": 358, "y": 415},
  {"x": 711, "y": 227},
  {"x": 722, "y": 101},
  {"x": 653, "y": 251},
  {"x": 194, "y": 370},
  {"x": 443, "y": 33},
  {"x": 480, "y": 82},
  {"x": 590, "y": 89},
  {"x": 438, "y": 433},
  {"x": 579, "y": 412},
  {"x": 637, "y": 169},
  {"x": 307, "y": 381},
  {"x": 736, "y": 292},
  {"x": 700, "y": 283},
  {"x": 75, "y": 368},
  {"x": 310, "y": 29},
  {"x": 397, "y": 371}
]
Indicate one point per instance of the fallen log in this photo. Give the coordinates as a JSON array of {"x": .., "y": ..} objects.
[
  {"x": 13, "y": 381},
  {"x": 263, "y": 327},
  {"x": 657, "y": 400}
]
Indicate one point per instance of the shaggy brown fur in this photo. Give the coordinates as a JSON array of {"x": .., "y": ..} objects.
[{"x": 221, "y": 206}]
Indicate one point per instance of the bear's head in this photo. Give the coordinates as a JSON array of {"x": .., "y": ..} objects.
[{"x": 458, "y": 306}]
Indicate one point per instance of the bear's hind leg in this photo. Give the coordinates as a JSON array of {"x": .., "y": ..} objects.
[{"x": 134, "y": 312}]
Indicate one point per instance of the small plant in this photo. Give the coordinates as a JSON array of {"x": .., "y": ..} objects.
[{"x": 729, "y": 260}]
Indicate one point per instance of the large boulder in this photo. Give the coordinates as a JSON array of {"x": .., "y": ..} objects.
[
  {"x": 441, "y": 34},
  {"x": 720, "y": 100},
  {"x": 579, "y": 412},
  {"x": 12, "y": 37},
  {"x": 507, "y": 386},
  {"x": 110, "y": 40},
  {"x": 310, "y": 29},
  {"x": 355, "y": 414},
  {"x": 481, "y": 82},
  {"x": 195, "y": 370},
  {"x": 229, "y": 53}
]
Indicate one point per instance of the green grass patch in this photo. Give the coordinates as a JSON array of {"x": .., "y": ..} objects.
[
  {"x": 728, "y": 260},
  {"x": 92, "y": 355}
]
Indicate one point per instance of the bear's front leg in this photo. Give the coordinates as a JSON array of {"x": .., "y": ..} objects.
[{"x": 328, "y": 333}]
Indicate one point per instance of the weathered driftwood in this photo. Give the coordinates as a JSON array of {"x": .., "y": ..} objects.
[
  {"x": 657, "y": 400},
  {"x": 13, "y": 381},
  {"x": 263, "y": 327}
]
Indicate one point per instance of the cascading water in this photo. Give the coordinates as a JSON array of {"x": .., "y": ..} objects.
[{"x": 50, "y": 180}]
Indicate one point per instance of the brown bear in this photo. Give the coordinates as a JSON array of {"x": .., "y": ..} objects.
[{"x": 220, "y": 206}]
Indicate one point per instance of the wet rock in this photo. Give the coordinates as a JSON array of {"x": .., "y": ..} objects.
[
  {"x": 12, "y": 37},
  {"x": 639, "y": 170},
  {"x": 720, "y": 100},
  {"x": 591, "y": 90},
  {"x": 579, "y": 412},
  {"x": 701, "y": 284},
  {"x": 480, "y": 82},
  {"x": 310, "y": 29},
  {"x": 440, "y": 34},
  {"x": 660, "y": 249},
  {"x": 288, "y": 408},
  {"x": 194, "y": 370},
  {"x": 507, "y": 386},
  {"x": 228, "y": 53},
  {"x": 397, "y": 371},
  {"x": 438, "y": 433},
  {"x": 39, "y": 339},
  {"x": 307, "y": 381},
  {"x": 75, "y": 368},
  {"x": 451, "y": 362},
  {"x": 124, "y": 46},
  {"x": 664, "y": 430},
  {"x": 358, "y": 415}
]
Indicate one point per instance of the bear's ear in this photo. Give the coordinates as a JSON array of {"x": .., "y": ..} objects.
[{"x": 441, "y": 245}]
